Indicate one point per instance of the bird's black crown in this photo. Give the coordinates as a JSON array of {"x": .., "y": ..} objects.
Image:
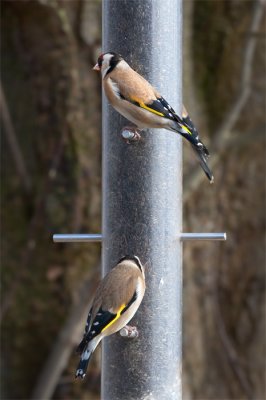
[{"x": 133, "y": 258}]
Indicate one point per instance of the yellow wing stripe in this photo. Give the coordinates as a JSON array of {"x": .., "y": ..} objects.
[
  {"x": 142, "y": 105},
  {"x": 186, "y": 129},
  {"x": 116, "y": 317}
]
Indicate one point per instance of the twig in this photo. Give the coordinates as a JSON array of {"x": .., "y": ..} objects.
[
  {"x": 13, "y": 143},
  {"x": 222, "y": 136},
  {"x": 66, "y": 341}
]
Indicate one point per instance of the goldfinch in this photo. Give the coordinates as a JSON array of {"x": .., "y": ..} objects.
[
  {"x": 116, "y": 300},
  {"x": 133, "y": 97}
]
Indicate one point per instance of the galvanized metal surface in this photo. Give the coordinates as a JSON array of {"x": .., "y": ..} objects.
[
  {"x": 76, "y": 237},
  {"x": 142, "y": 205},
  {"x": 97, "y": 237},
  {"x": 203, "y": 236}
]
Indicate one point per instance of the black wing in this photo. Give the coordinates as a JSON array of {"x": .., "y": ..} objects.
[
  {"x": 102, "y": 321},
  {"x": 159, "y": 107}
]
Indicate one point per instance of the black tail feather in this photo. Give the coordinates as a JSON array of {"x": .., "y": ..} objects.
[
  {"x": 82, "y": 345},
  {"x": 202, "y": 154},
  {"x": 83, "y": 364},
  {"x": 189, "y": 132}
]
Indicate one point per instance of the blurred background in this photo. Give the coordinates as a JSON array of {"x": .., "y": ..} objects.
[{"x": 51, "y": 183}]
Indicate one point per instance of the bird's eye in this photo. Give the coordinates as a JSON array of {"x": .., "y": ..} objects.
[{"x": 100, "y": 61}]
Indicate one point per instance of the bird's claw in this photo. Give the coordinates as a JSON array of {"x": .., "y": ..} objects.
[
  {"x": 130, "y": 134},
  {"x": 129, "y": 332}
]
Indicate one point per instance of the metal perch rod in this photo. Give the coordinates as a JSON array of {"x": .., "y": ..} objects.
[{"x": 97, "y": 237}]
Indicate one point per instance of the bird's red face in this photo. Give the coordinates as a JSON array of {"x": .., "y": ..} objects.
[{"x": 98, "y": 66}]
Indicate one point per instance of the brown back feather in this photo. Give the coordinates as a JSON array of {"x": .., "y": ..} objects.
[
  {"x": 132, "y": 85},
  {"x": 117, "y": 288}
]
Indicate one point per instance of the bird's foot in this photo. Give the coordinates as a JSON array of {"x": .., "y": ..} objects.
[
  {"x": 130, "y": 134},
  {"x": 129, "y": 332}
]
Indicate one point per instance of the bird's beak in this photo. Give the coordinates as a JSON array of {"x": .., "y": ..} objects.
[{"x": 96, "y": 67}]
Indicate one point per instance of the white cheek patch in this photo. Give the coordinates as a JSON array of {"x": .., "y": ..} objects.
[
  {"x": 104, "y": 70},
  {"x": 106, "y": 64}
]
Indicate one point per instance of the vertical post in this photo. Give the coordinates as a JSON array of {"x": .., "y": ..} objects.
[{"x": 142, "y": 205}]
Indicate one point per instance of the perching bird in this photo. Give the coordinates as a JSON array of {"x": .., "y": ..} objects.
[
  {"x": 133, "y": 97},
  {"x": 116, "y": 300}
]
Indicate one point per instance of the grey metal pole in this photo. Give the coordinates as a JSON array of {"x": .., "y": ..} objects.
[{"x": 142, "y": 205}]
